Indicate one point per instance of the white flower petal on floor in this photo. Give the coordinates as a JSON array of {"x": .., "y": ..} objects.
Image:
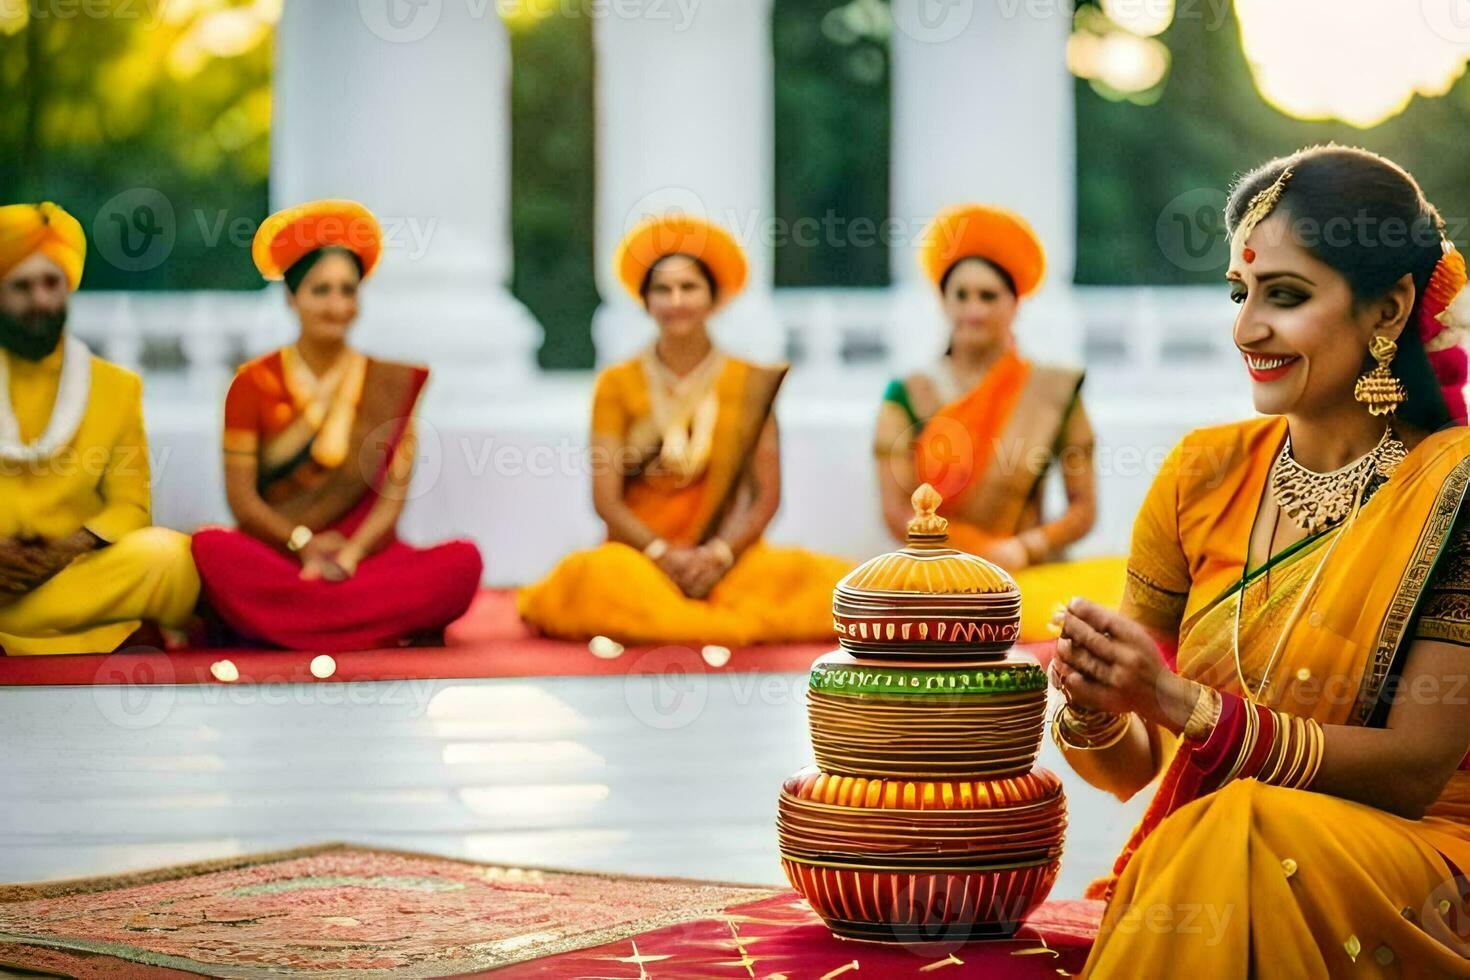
[
  {"x": 715, "y": 656},
  {"x": 605, "y": 648}
]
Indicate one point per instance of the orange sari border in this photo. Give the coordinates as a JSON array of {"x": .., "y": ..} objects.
[
  {"x": 976, "y": 450},
  {"x": 302, "y": 489},
  {"x": 1448, "y": 505},
  {"x": 692, "y": 513}
]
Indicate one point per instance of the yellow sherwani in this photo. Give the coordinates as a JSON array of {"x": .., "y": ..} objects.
[{"x": 100, "y": 481}]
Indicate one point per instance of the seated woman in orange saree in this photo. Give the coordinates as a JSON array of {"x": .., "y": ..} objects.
[
  {"x": 686, "y": 475},
  {"x": 1291, "y": 654},
  {"x": 986, "y": 425},
  {"x": 319, "y": 452}
]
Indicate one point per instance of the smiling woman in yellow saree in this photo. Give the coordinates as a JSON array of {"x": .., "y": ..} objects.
[
  {"x": 1291, "y": 653},
  {"x": 686, "y": 476}
]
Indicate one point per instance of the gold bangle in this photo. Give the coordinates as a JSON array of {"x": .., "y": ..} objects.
[
  {"x": 299, "y": 538},
  {"x": 1314, "y": 760},
  {"x": 1125, "y": 724},
  {"x": 1092, "y": 741},
  {"x": 1247, "y": 742},
  {"x": 1204, "y": 715},
  {"x": 1086, "y": 722},
  {"x": 1276, "y": 755},
  {"x": 1316, "y": 742},
  {"x": 1276, "y": 764},
  {"x": 1301, "y": 754},
  {"x": 1301, "y": 747}
]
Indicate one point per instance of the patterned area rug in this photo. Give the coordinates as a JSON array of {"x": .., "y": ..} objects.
[{"x": 340, "y": 911}]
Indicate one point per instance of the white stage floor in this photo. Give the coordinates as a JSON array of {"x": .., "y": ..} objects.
[{"x": 612, "y": 774}]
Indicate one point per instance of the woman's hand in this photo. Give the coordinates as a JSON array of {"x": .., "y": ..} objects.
[
  {"x": 696, "y": 571},
  {"x": 347, "y": 560},
  {"x": 318, "y": 557},
  {"x": 707, "y": 567},
  {"x": 676, "y": 564},
  {"x": 1107, "y": 662},
  {"x": 1008, "y": 553}
]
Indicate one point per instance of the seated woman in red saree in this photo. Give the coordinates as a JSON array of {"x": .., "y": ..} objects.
[
  {"x": 319, "y": 452},
  {"x": 686, "y": 474},
  {"x": 1292, "y": 650},
  {"x": 986, "y": 425}
]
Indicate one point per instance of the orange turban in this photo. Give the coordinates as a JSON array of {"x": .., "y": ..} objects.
[
  {"x": 979, "y": 231},
  {"x": 677, "y": 234},
  {"x": 26, "y": 229},
  {"x": 287, "y": 236}
]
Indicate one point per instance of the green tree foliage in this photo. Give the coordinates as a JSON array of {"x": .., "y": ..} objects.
[
  {"x": 833, "y": 126},
  {"x": 1144, "y": 170},
  {"x": 553, "y": 181},
  {"x": 105, "y": 102}
]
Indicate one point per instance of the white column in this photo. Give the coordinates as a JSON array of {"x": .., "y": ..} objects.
[
  {"x": 406, "y": 108},
  {"x": 983, "y": 111},
  {"x": 684, "y": 121}
]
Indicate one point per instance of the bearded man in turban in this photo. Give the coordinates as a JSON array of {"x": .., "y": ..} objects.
[{"x": 81, "y": 570}]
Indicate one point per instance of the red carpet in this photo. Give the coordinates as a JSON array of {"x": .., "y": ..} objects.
[
  {"x": 489, "y": 641},
  {"x": 339, "y": 911}
]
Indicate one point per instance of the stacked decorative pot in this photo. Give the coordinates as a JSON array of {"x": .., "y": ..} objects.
[{"x": 926, "y": 817}]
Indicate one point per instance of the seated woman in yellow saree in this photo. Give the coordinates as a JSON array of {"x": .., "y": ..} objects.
[
  {"x": 686, "y": 475},
  {"x": 985, "y": 425},
  {"x": 1291, "y": 653}
]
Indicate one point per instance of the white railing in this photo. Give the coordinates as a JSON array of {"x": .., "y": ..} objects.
[
  {"x": 198, "y": 334},
  {"x": 201, "y": 334},
  {"x": 1140, "y": 326}
]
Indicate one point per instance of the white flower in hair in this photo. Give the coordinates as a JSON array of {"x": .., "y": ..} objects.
[{"x": 1456, "y": 320}]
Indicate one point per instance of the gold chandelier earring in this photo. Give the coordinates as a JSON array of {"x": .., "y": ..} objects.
[{"x": 1379, "y": 389}]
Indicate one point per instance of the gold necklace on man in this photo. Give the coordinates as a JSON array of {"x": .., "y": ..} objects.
[{"x": 1316, "y": 501}]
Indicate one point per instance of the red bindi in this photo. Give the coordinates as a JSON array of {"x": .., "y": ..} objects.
[{"x": 1249, "y": 255}]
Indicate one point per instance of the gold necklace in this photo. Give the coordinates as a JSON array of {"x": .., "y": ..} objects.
[
  {"x": 1315, "y": 501},
  {"x": 1385, "y": 457}
]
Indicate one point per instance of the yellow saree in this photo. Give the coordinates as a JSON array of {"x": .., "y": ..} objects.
[
  {"x": 769, "y": 595},
  {"x": 1259, "y": 880},
  {"x": 988, "y": 451}
]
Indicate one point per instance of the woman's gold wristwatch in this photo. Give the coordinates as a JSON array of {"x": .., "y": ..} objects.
[{"x": 301, "y": 536}]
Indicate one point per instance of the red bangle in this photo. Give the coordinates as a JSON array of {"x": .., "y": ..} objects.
[{"x": 1213, "y": 758}]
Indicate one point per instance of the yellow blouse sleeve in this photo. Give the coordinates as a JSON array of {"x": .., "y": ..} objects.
[
  {"x": 1158, "y": 571},
  {"x": 126, "y": 482},
  {"x": 609, "y": 409}
]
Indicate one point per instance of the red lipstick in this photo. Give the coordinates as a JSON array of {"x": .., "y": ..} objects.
[{"x": 1269, "y": 367}]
